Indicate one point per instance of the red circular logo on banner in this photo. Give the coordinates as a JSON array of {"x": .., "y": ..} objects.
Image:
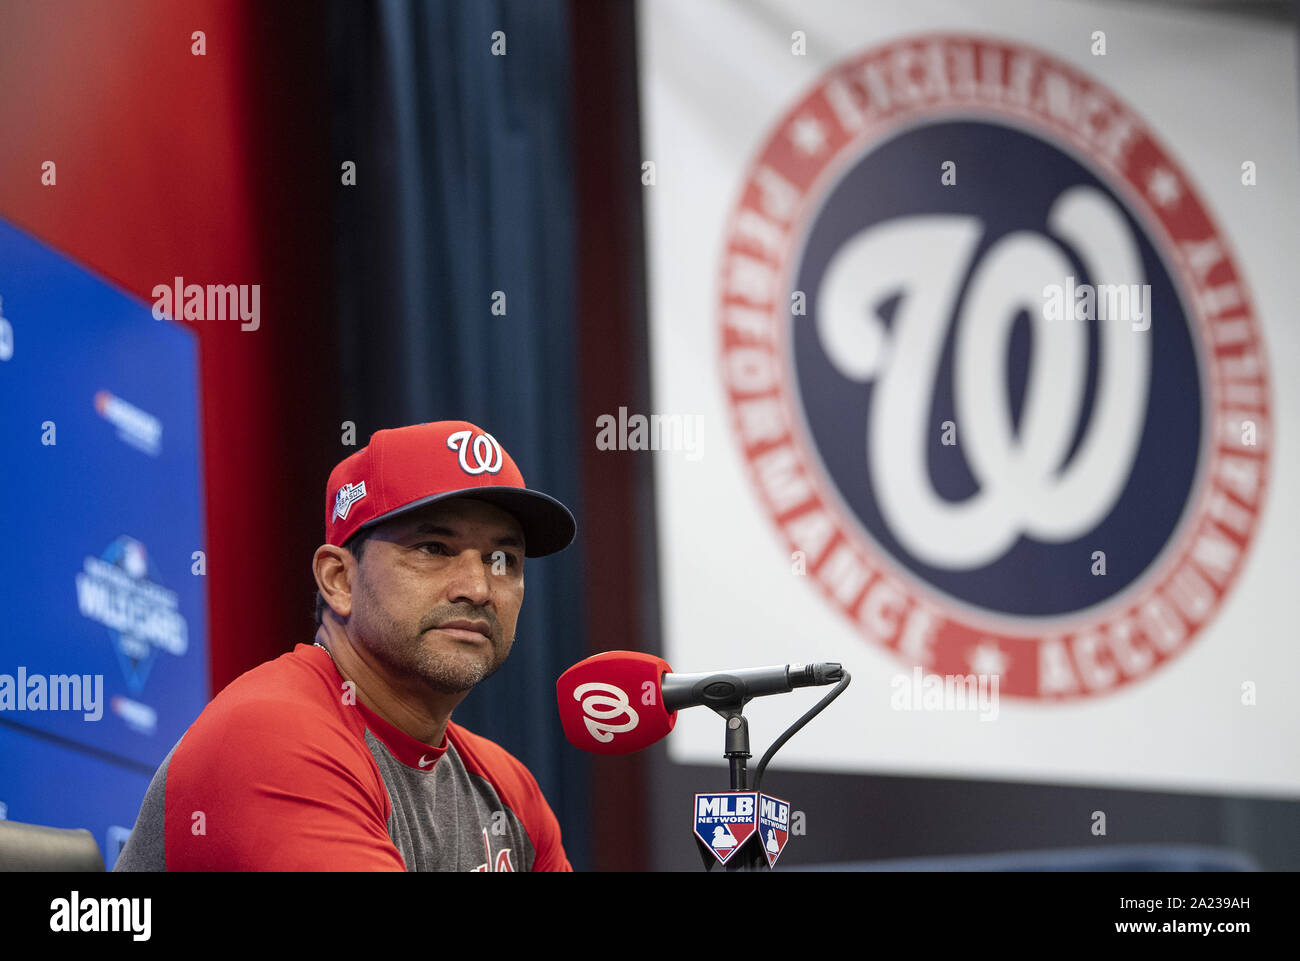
[{"x": 995, "y": 374}]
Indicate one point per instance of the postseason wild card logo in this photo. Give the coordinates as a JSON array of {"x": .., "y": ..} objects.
[
  {"x": 994, "y": 372},
  {"x": 143, "y": 617}
]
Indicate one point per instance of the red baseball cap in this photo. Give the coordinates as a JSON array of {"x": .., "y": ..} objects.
[{"x": 404, "y": 468}]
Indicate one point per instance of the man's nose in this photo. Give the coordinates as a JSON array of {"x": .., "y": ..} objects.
[{"x": 469, "y": 580}]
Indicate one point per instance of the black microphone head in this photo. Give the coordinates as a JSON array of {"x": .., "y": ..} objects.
[{"x": 828, "y": 672}]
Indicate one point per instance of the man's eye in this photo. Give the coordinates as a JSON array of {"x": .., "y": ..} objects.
[{"x": 512, "y": 560}]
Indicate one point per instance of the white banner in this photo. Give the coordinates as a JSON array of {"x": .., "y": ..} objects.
[{"x": 983, "y": 315}]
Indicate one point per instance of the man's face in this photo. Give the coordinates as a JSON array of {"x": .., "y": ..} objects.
[{"x": 428, "y": 580}]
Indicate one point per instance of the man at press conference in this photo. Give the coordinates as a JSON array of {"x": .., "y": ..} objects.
[{"x": 341, "y": 755}]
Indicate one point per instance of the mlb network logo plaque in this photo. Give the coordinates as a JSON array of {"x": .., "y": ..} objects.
[
  {"x": 773, "y": 826},
  {"x": 725, "y": 821}
]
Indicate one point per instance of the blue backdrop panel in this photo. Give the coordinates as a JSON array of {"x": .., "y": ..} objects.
[
  {"x": 60, "y": 787},
  {"x": 101, "y": 514}
]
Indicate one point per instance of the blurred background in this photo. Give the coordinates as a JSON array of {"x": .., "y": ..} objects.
[{"x": 762, "y": 227}]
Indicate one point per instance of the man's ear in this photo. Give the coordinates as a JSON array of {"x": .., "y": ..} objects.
[{"x": 333, "y": 567}]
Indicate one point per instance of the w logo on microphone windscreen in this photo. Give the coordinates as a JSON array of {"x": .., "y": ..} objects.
[
  {"x": 999, "y": 379},
  {"x": 612, "y": 703}
]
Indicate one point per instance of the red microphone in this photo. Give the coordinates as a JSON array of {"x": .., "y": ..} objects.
[{"x": 611, "y": 703}]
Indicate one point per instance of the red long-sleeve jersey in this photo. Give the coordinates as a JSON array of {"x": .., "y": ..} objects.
[{"x": 285, "y": 770}]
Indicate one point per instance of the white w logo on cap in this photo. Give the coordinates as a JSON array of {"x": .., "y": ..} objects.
[{"x": 487, "y": 452}]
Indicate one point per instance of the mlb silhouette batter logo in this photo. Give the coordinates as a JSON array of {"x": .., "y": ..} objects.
[
  {"x": 994, "y": 372},
  {"x": 725, "y": 821}
]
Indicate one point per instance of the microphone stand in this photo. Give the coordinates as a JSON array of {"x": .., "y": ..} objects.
[{"x": 736, "y": 751}]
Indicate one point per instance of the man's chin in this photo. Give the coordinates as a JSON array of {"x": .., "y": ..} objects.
[
  {"x": 457, "y": 679},
  {"x": 445, "y": 685}
]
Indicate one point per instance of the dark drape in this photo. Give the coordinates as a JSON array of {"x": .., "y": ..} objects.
[{"x": 464, "y": 199}]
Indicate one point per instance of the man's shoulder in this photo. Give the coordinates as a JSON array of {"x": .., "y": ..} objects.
[
  {"x": 297, "y": 695},
  {"x": 274, "y": 775}
]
